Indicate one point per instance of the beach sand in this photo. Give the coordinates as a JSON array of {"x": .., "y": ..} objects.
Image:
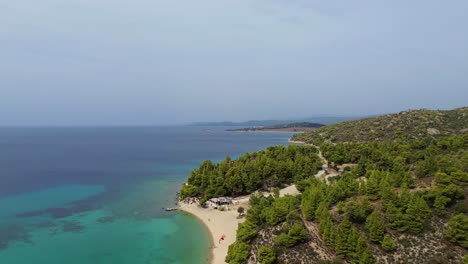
[
  {"x": 224, "y": 222},
  {"x": 218, "y": 223}
]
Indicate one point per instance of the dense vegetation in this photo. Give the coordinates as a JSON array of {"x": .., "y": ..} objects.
[
  {"x": 264, "y": 169},
  {"x": 407, "y": 125},
  {"x": 405, "y": 190},
  {"x": 383, "y": 200},
  {"x": 269, "y": 211},
  {"x": 372, "y": 203}
]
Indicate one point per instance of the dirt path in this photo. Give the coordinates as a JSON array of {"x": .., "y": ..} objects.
[
  {"x": 317, "y": 243},
  {"x": 325, "y": 173}
]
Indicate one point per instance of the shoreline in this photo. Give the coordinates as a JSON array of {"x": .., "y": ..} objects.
[
  {"x": 283, "y": 130},
  {"x": 217, "y": 223},
  {"x": 207, "y": 230},
  {"x": 299, "y": 143},
  {"x": 265, "y": 131}
]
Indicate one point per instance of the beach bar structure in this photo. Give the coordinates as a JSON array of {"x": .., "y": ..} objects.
[
  {"x": 215, "y": 202},
  {"x": 224, "y": 201}
]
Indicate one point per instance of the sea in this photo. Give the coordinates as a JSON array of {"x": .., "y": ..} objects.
[{"x": 95, "y": 195}]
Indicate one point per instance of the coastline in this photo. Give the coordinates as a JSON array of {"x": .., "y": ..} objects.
[
  {"x": 263, "y": 131},
  {"x": 299, "y": 143},
  {"x": 207, "y": 231},
  {"x": 288, "y": 130},
  {"x": 218, "y": 223}
]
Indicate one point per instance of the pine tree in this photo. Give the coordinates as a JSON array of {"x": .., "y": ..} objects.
[
  {"x": 266, "y": 255},
  {"x": 342, "y": 234},
  {"x": 362, "y": 188},
  {"x": 394, "y": 217},
  {"x": 440, "y": 203},
  {"x": 404, "y": 198},
  {"x": 366, "y": 257},
  {"x": 361, "y": 168},
  {"x": 375, "y": 226},
  {"x": 388, "y": 195},
  {"x": 399, "y": 164},
  {"x": 457, "y": 230},
  {"x": 417, "y": 214},
  {"x": 388, "y": 243},
  {"x": 361, "y": 246},
  {"x": 331, "y": 234},
  {"x": 310, "y": 203},
  {"x": 352, "y": 243},
  {"x": 327, "y": 228},
  {"x": 407, "y": 180},
  {"x": 322, "y": 211},
  {"x": 372, "y": 187}
]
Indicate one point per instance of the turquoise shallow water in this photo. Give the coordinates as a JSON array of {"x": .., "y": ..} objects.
[
  {"x": 122, "y": 241},
  {"x": 120, "y": 232},
  {"x": 48, "y": 198},
  {"x": 96, "y": 195}
]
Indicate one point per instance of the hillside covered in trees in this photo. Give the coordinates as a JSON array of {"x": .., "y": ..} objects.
[
  {"x": 406, "y": 125},
  {"x": 401, "y": 198},
  {"x": 265, "y": 169},
  {"x": 403, "y": 203}
]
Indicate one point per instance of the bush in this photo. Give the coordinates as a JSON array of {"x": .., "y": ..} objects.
[
  {"x": 457, "y": 230},
  {"x": 358, "y": 210},
  {"x": 280, "y": 209},
  {"x": 266, "y": 255},
  {"x": 375, "y": 226},
  {"x": 388, "y": 243},
  {"x": 188, "y": 191},
  {"x": 297, "y": 233},
  {"x": 246, "y": 232},
  {"x": 240, "y": 210},
  {"x": 238, "y": 253}
]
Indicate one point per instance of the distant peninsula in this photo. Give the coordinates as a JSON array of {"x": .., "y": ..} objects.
[
  {"x": 291, "y": 127},
  {"x": 326, "y": 120}
]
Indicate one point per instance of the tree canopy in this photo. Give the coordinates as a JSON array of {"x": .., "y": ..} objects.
[
  {"x": 264, "y": 169},
  {"x": 393, "y": 188}
]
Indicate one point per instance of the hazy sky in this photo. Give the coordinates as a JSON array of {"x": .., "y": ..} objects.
[{"x": 91, "y": 62}]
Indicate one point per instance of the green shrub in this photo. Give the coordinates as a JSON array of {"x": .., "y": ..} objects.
[
  {"x": 188, "y": 191},
  {"x": 375, "y": 226},
  {"x": 297, "y": 233},
  {"x": 457, "y": 230},
  {"x": 388, "y": 243},
  {"x": 246, "y": 232},
  {"x": 238, "y": 253},
  {"x": 266, "y": 255}
]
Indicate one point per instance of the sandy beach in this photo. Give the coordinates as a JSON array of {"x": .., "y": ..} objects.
[
  {"x": 299, "y": 143},
  {"x": 218, "y": 223},
  {"x": 224, "y": 222}
]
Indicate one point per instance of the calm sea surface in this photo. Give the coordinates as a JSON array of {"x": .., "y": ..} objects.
[{"x": 94, "y": 195}]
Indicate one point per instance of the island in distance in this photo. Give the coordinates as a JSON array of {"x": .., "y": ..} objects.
[{"x": 291, "y": 127}]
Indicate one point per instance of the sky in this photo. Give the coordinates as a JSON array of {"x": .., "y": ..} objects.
[{"x": 156, "y": 62}]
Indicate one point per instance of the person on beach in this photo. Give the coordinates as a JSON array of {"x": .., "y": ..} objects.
[{"x": 222, "y": 238}]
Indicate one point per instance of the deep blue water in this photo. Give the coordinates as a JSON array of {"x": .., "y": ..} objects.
[{"x": 100, "y": 191}]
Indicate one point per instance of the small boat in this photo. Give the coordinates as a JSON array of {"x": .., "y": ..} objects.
[{"x": 168, "y": 209}]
